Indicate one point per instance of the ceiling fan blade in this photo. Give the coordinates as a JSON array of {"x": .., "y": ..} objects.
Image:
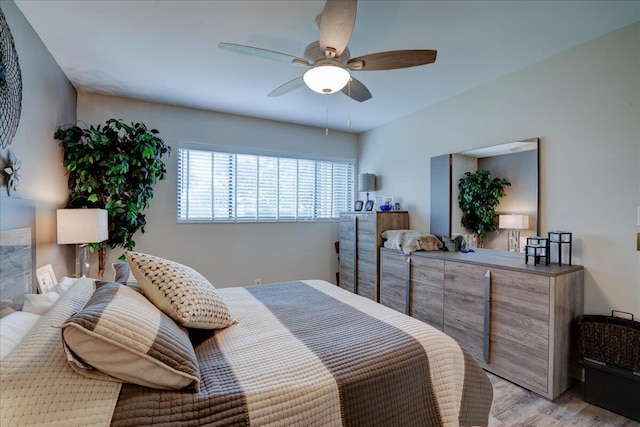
[
  {"x": 392, "y": 60},
  {"x": 263, "y": 53},
  {"x": 357, "y": 91},
  {"x": 287, "y": 87},
  {"x": 336, "y": 24}
]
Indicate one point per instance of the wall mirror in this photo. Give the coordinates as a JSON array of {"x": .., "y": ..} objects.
[{"x": 517, "y": 161}]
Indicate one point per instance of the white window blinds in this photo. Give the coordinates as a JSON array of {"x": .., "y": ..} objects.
[{"x": 219, "y": 186}]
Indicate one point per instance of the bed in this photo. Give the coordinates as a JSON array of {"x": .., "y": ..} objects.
[{"x": 304, "y": 353}]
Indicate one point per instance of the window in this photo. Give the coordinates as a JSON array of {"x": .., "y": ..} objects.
[{"x": 220, "y": 186}]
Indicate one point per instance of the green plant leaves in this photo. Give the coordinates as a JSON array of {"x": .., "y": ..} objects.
[
  {"x": 478, "y": 198},
  {"x": 114, "y": 166}
]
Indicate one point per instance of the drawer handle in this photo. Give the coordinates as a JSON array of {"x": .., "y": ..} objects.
[
  {"x": 487, "y": 315},
  {"x": 355, "y": 254},
  {"x": 407, "y": 284}
]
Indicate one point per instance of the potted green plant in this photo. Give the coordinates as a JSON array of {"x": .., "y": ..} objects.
[
  {"x": 114, "y": 167},
  {"x": 479, "y": 196}
]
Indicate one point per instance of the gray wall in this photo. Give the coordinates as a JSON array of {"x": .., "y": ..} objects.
[
  {"x": 584, "y": 104},
  {"x": 228, "y": 254},
  {"x": 48, "y": 101}
]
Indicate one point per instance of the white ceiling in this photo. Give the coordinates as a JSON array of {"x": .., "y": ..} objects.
[{"x": 166, "y": 51}]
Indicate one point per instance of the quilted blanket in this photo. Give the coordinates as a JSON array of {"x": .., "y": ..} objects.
[
  {"x": 37, "y": 385},
  {"x": 311, "y": 354},
  {"x": 302, "y": 354}
]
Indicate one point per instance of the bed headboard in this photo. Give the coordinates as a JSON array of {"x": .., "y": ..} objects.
[{"x": 17, "y": 252}]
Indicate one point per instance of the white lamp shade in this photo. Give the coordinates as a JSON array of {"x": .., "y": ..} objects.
[
  {"x": 326, "y": 78},
  {"x": 367, "y": 182},
  {"x": 514, "y": 222},
  {"x": 82, "y": 226}
]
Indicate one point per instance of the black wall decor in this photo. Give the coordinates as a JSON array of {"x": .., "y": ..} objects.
[{"x": 10, "y": 85}]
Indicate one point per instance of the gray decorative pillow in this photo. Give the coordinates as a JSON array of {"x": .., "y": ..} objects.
[
  {"x": 123, "y": 275},
  {"x": 121, "y": 334},
  {"x": 180, "y": 292}
]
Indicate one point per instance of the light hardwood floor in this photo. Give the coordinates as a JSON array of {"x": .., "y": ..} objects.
[{"x": 515, "y": 406}]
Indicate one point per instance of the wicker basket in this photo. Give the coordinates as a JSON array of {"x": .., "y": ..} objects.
[{"x": 610, "y": 339}]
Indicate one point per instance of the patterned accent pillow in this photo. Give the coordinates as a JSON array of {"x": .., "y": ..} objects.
[
  {"x": 121, "y": 334},
  {"x": 180, "y": 292}
]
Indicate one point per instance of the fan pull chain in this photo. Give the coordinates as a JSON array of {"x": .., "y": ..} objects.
[
  {"x": 326, "y": 129},
  {"x": 349, "y": 103}
]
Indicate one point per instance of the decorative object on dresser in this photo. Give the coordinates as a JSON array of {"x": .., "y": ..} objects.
[
  {"x": 514, "y": 223},
  {"x": 368, "y": 206},
  {"x": 517, "y": 321},
  {"x": 82, "y": 227},
  {"x": 386, "y": 204},
  {"x": 367, "y": 183},
  {"x": 560, "y": 238},
  {"x": 360, "y": 239},
  {"x": 357, "y": 207},
  {"x": 537, "y": 247},
  {"x": 410, "y": 241}
]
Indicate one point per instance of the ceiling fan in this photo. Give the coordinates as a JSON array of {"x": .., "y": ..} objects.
[{"x": 329, "y": 59}]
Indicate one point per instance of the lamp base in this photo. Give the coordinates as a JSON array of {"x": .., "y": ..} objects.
[
  {"x": 82, "y": 260},
  {"x": 514, "y": 241}
]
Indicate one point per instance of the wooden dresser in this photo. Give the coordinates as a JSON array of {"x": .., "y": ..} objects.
[
  {"x": 360, "y": 242},
  {"x": 517, "y": 320}
]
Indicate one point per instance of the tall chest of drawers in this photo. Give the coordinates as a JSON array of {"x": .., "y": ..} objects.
[{"x": 360, "y": 241}]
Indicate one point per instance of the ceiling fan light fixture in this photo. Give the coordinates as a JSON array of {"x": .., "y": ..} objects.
[{"x": 326, "y": 79}]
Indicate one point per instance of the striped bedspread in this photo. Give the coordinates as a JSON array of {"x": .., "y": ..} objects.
[
  {"x": 37, "y": 385},
  {"x": 311, "y": 354}
]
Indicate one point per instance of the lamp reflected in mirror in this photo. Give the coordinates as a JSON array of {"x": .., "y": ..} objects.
[{"x": 514, "y": 223}]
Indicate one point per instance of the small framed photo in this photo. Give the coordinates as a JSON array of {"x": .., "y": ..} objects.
[
  {"x": 358, "y": 206},
  {"x": 46, "y": 278},
  {"x": 369, "y": 205}
]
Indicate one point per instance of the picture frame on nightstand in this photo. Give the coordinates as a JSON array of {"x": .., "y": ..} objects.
[
  {"x": 358, "y": 205},
  {"x": 46, "y": 278}
]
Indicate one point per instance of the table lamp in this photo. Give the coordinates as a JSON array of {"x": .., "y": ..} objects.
[
  {"x": 81, "y": 227},
  {"x": 367, "y": 183},
  {"x": 514, "y": 223}
]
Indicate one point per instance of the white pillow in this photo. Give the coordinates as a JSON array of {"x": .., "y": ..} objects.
[
  {"x": 63, "y": 285},
  {"x": 13, "y": 328},
  {"x": 39, "y": 303}
]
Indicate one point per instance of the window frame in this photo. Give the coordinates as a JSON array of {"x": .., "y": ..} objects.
[{"x": 267, "y": 153}]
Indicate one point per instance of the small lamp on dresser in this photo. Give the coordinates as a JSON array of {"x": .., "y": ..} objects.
[
  {"x": 514, "y": 223},
  {"x": 367, "y": 183},
  {"x": 82, "y": 227}
]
